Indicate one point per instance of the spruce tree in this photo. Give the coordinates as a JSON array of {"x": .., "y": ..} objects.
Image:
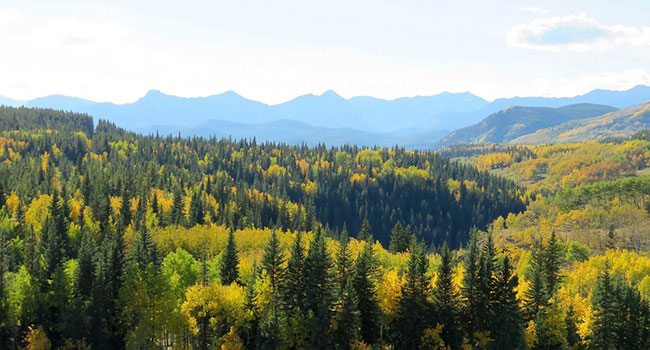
[
  {"x": 365, "y": 234},
  {"x": 145, "y": 251},
  {"x": 605, "y": 307},
  {"x": 176, "y": 215},
  {"x": 506, "y": 320},
  {"x": 399, "y": 239},
  {"x": 319, "y": 288},
  {"x": 471, "y": 291},
  {"x": 536, "y": 297},
  {"x": 486, "y": 295},
  {"x": 347, "y": 317},
  {"x": 197, "y": 213},
  {"x": 413, "y": 310},
  {"x": 85, "y": 272},
  {"x": 229, "y": 270},
  {"x": 552, "y": 264},
  {"x": 366, "y": 293},
  {"x": 343, "y": 260},
  {"x": 272, "y": 260},
  {"x": 294, "y": 293},
  {"x": 446, "y": 303}
]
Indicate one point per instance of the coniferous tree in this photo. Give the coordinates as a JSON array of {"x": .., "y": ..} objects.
[
  {"x": 399, "y": 239},
  {"x": 413, "y": 310},
  {"x": 53, "y": 240},
  {"x": 196, "y": 210},
  {"x": 446, "y": 303},
  {"x": 364, "y": 287},
  {"x": 294, "y": 289},
  {"x": 343, "y": 260},
  {"x": 176, "y": 216},
  {"x": 552, "y": 262},
  {"x": 229, "y": 270},
  {"x": 85, "y": 273},
  {"x": 536, "y": 297},
  {"x": 574, "y": 341},
  {"x": 347, "y": 317},
  {"x": 365, "y": 234},
  {"x": 486, "y": 295},
  {"x": 471, "y": 292},
  {"x": 319, "y": 290},
  {"x": 145, "y": 251},
  {"x": 272, "y": 261},
  {"x": 605, "y": 309},
  {"x": 506, "y": 320}
]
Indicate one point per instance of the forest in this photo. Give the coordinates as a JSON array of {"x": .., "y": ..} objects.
[{"x": 116, "y": 240}]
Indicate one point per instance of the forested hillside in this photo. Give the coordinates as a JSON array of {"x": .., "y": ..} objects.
[
  {"x": 514, "y": 122},
  {"x": 621, "y": 123},
  {"x": 113, "y": 240}
]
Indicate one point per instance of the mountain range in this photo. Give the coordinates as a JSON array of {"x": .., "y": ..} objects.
[{"x": 414, "y": 122}]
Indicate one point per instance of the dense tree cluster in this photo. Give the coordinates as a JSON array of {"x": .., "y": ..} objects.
[
  {"x": 245, "y": 184},
  {"x": 113, "y": 240}
]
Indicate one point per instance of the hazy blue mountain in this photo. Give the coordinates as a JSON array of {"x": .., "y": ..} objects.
[
  {"x": 407, "y": 116},
  {"x": 157, "y": 108},
  {"x": 515, "y": 121},
  {"x": 619, "y": 99},
  {"x": 442, "y": 111},
  {"x": 294, "y": 132},
  {"x": 65, "y": 103}
]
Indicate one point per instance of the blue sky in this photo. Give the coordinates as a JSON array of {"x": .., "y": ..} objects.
[{"x": 275, "y": 50}]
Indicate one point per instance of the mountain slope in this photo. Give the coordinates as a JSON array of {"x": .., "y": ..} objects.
[
  {"x": 515, "y": 121},
  {"x": 624, "y": 122}
]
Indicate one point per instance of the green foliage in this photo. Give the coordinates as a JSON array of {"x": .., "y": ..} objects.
[{"x": 229, "y": 271}]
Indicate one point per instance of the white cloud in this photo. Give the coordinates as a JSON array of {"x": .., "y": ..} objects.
[
  {"x": 577, "y": 33},
  {"x": 533, "y": 9}
]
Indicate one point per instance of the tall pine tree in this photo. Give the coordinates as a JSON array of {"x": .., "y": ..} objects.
[{"x": 229, "y": 270}]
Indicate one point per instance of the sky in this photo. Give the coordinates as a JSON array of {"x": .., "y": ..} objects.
[{"x": 273, "y": 51}]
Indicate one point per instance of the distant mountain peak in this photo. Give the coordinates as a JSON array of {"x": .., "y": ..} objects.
[{"x": 330, "y": 93}]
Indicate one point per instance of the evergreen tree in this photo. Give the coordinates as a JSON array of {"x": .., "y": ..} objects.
[
  {"x": 506, "y": 320},
  {"x": 196, "y": 210},
  {"x": 552, "y": 264},
  {"x": 294, "y": 289},
  {"x": 413, "y": 310},
  {"x": 319, "y": 290},
  {"x": 366, "y": 293},
  {"x": 445, "y": 302},
  {"x": 471, "y": 292},
  {"x": 53, "y": 237},
  {"x": 176, "y": 216},
  {"x": 85, "y": 273},
  {"x": 486, "y": 283},
  {"x": 574, "y": 341},
  {"x": 536, "y": 297},
  {"x": 343, "y": 260},
  {"x": 399, "y": 239},
  {"x": 365, "y": 234},
  {"x": 605, "y": 308},
  {"x": 229, "y": 270},
  {"x": 272, "y": 261},
  {"x": 347, "y": 318},
  {"x": 145, "y": 251}
]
